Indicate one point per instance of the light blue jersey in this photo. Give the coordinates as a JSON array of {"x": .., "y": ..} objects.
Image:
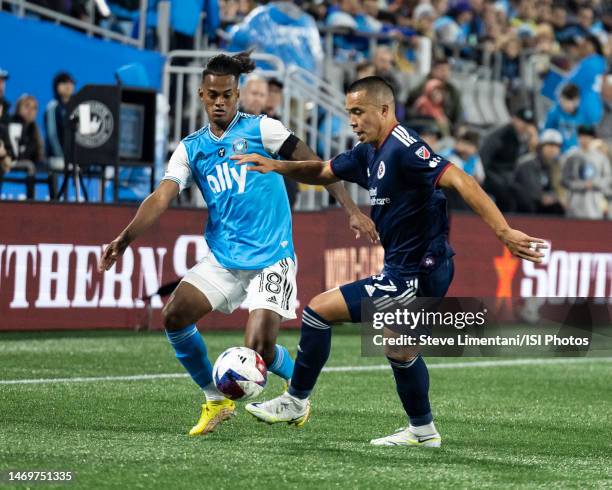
[
  {"x": 567, "y": 124},
  {"x": 249, "y": 219},
  {"x": 587, "y": 75}
]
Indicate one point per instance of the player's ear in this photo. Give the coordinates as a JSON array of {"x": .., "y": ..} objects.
[{"x": 201, "y": 92}]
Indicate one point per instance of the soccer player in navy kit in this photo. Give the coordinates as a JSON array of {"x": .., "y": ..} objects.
[{"x": 404, "y": 177}]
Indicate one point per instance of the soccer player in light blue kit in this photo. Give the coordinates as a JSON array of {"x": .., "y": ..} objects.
[{"x": 250, "y": 255}]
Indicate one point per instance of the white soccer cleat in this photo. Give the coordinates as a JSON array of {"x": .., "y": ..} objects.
[
  {"x": 284, "y": 408},
  {"x": 406, "y": 437}
]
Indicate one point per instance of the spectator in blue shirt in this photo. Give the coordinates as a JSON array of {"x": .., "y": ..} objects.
[
  {"x": 185, "y": 16},
  {"x": 350, "y": 15},
  {"x": 455, "y": 26},
  {"x": 565, "y": 116},
  {"x": 587, "y": 75}
]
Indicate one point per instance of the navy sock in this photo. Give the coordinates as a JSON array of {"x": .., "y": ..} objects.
[
  {"x": 313, "y": 351},
  {"x": 283, "y": 364},
  {"x": 191, "y": 351},
  {"x": 412, "y": 382}
]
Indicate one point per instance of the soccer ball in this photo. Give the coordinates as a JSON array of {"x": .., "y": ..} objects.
[{"x": 240, "y": 373}]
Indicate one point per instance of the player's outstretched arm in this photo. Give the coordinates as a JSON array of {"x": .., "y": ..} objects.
[
  {"x": 518, "y": 243},
  {"x": 358, "y": 222},
  {"x": 306, "y": 167},
  {"x": 148, "y": 213},
  {"x": 307, "y": 171}
]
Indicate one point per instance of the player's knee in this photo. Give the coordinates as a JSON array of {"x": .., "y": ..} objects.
[
  {"x": 172, "y": 319},
  {"x": 400, "y": 353},
  {"x": 318, "y": 305}
]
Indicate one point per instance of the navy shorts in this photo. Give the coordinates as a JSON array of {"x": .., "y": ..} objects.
[{"x": 384, "y": 289}]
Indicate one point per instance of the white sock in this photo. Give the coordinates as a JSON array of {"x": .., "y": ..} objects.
[
  {"x": 423, "y": 430},
  {"x": 211, "y": 393}
]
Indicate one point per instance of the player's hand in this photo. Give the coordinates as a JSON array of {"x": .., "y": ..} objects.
[
  {"x": 360, "y": 223},
  {"x": 256, "y": 162},
  {"x": 113, "y": 251},
  {"x": 524, "y": 246}
]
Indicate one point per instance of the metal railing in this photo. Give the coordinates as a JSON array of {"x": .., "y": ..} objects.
[
  {"x": 374, "y": 39},
  {"x": 314, "y": 110},
  {"x": 23, "y": 8},
  {"x": 483, "y": 91}
]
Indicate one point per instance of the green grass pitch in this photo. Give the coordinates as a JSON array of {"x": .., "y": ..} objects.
[{"x": 533, "y": 426}]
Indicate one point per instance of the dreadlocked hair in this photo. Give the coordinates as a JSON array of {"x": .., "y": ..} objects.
[{"x": 236, "y": 65}]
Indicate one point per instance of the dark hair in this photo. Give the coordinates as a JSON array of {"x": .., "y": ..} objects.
[
  {"x": 587, "y": 131},
  {"x": 276, "y": 83},
  {"x": 372, "y": 84},
  {"x": 595, "y": 42},
  {"x": 223, "y": 64},
  {"x": 570, "y": 91},
  {"x": 525, "y": 114},
  {"x": 62, "y": 77}
]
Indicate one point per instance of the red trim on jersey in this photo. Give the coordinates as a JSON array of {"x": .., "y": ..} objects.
[
  {"x": 387, "y": 137},
  {"x": 446, "y": 167}
]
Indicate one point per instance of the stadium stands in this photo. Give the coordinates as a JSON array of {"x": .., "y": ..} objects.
[{"x": 503, "y": 56}]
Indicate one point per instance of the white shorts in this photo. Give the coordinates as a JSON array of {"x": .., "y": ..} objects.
[{"x": 273, "y": 288}]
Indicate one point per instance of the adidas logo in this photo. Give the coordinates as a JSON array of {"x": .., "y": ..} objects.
[{"x": 272, "y": 300}]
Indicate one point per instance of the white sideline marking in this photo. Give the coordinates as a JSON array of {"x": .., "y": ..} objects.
[
  {"x": 333, "y": 369},
  {"x": 136, "y": 377}
]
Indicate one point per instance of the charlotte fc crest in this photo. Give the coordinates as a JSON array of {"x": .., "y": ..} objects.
[{"x": 240, "y": 146}]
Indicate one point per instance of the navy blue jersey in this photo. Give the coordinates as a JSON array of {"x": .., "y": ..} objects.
[{"x": 408, "y": 208}]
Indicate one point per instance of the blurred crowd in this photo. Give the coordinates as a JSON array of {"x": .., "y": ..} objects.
[
  {"x": 22, "y": 146},
  {"x": 555, "y": 161},
  {"x": 552, "y": 156}
]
